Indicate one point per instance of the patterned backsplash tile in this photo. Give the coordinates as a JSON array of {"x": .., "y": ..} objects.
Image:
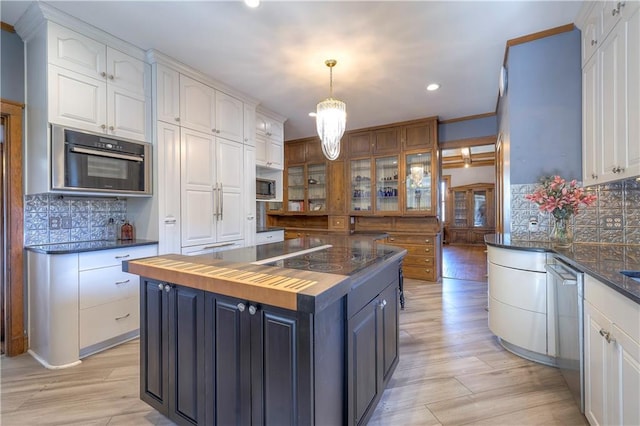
[
  {"x": 50, "y": 218},
  {"x": 614, "y": 218}
]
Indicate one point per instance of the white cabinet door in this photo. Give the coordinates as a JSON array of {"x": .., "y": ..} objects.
[
  {"x": 625, "y": 403},
  {"x": 631, "y": 163},
  {"x": 168, "y": 187},
  {"x": 76, "y": 100},
  {"x": 261, "y": 150},
  {"x": 591, "y": 141},
  {"x": 229, "y": 164},
  {"x": 597, "y": 366},
  {"x": 128, "y": 73},
  {"x": 229, "y": 116},
  {"x": 197, "y": 105},
  {"x": 167, "y": 94},
  {"x": 591, "y": 33},
  {"x": 198, "y": 184},
  {"x": 249, "y": 125},
  {"x": 269, "y": 142},
  {"x": 76, "y": 52},
  {"x": 127, "y": 113},
  {"x": 613, "y": 103},
  {"x": 275, "y": 154},
  {"x": 249, "y": 194}
]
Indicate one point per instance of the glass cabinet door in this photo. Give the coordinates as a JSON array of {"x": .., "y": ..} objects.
[
  {"x": 460, "y": 209},
  {"x": 480, "y": 208},
  {"x": 316, "y": 187},
  {"x": 418, "y": 183},
  {"x": 360, "y": 178},
  {"x": 295, "y": 189},
  {"x": 387, "y": 184}
]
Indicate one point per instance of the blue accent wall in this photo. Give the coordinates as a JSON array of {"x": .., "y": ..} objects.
[
  {"x": 544, "y": 109},
  {"x": 475, "y": 128},
  {"x": 11, "y": 67}
]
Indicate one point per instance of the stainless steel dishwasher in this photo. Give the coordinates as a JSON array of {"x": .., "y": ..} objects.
[{"x": 567, "y": 286}]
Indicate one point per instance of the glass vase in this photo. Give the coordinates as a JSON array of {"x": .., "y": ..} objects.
[{"x": 562, "y": 233}]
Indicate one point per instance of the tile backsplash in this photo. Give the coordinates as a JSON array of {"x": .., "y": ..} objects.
[
  {"x": 50, "y": 218},
  {"x": 614, "y": 218}
]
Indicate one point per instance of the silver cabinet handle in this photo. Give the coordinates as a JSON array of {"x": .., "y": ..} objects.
[
  {"x": 594, "y": 42},
  {"x": 252, "y": 310},
  {"x": 383, "y": 303},
  {"x": 607, "y": 336},
  {"x": 241, "y": 307},
  {"x": 123, "y": 257},
  {"x": 161, "y": 286},
  {"x": 213, "y": 130},
  {"x": 214, "y": 188},
  {"x": 167, "y": 288},
  {"x": 170, "y": 221},
  {"x": 123, "y": 282},
  {"x": 217, "y": 246},
  {"x": 221, "y": 198},
  {"x": 122, "y": 317}
]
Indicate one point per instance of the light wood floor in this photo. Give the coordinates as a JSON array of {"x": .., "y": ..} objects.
[
  {"x": 452, "y": 371},
  {"x": 464, "y": 262}
]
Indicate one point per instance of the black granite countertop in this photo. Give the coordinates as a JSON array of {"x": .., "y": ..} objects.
[
  {"x": 602, "y": 261},
  {"x": 260, "y": 229},
  {"x": 83, "y": 246}
]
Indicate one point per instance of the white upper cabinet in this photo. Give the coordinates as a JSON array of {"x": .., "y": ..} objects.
[
  {"x": 269, "y": 142},
  {"x": 249, "y": 126},
  {"x": 207, "y": 110},
  {"x": 611, "y": 93},
  {"x": 167, "y": 94},
  {"x": 95, "y": 87}
]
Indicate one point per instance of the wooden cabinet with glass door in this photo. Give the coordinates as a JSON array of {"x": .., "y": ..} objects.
[
  {"x": 420, "y": 185},
  {"x": 471, "y": 214},
  {"x": 307, "y": 188}
]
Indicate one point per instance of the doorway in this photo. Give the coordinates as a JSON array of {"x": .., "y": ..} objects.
[{"x": 12, "y": 322}]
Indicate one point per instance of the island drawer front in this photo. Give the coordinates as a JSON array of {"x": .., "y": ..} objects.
[
  {"x": 509, "y": 323},
  {"x": 621, "y": 310},
  {"x": 103, "y": 322},
  {"x": 518, "y": 259},
  {"x": 104, "y": 285},
  {"x": 269, "y": 237},
  {"x": 114, "y": 257},
  {"x": 361, "y": 295},
  {"x": 425, "y": 273},
  {"x": 401, "y": 239}
]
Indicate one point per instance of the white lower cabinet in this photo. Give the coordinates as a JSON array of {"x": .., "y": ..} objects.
[
  {"x": 81, "y": 303},
  {"x": 612, "y": 356},
  {"x": 269, "y": 237}
]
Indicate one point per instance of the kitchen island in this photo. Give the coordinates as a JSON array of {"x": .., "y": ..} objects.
[{"x": 303, "y": 331}]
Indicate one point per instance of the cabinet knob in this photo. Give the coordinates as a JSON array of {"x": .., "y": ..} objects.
[
  {"x": 103, "y": 126},
  {"x": 167, "y": 288},
  {"x": 178, "y": 119},
  {"x": 607, "y": 336},
  {"x": 161, "y": 286},
  {"x": 111, "y": 77},
  {"x": 111, "y": 128},
  {"x": 427, "y": 250},
  {"x": 428, "y": 271},
  {"x": 241, "y": 307},
  {"x": 252, "y": 310},
  {"x": 103, "y": 74},
  {"x": 392, "y": 239},
  {"x": 594, "y": 42},
  {"x": 382, "y": 304},
  {"x": 594, "y": 176},
  {"x": 428, "y": 241}
]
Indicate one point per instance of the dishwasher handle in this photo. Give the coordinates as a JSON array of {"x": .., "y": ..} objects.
[{"x": 564, "y": 274}]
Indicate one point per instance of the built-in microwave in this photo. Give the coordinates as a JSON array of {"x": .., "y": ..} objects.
[
  {"x": 265, "y": 189},
  {"x": 88, "y": 163}
]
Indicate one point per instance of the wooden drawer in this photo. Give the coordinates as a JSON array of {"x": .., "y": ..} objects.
[
  {"x": 419, "y": 272},
  {"x": 109, "y": 320},
  {"x": 114, "y": 257},
  {"x": 299, "y": 234},
  {"x": 413, "y": 250},
  {"x": 339, "y": 223},
  {"x": 420, "y": 261},
  {"x": 401, "y": 239}
]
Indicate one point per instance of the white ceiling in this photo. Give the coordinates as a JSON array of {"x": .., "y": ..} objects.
[{"x": 387, "y": 52}]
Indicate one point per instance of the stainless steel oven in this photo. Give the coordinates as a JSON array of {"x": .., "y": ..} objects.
[
  {"x": 567, "y": 286},
  {"x": 83, "y": 162}
]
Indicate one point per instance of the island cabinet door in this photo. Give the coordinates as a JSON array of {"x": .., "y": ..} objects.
[
  {"x": 172, "y": 350},
  {"x": 389, "y": 305},
  {"x": 365, "y": 361}
]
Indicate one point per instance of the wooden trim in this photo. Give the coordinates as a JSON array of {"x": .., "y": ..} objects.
[
  {"x": 15, "y": 339},
  {"x": 461, "y": 143},
  {"x": 469, "y": 117},
  {"x": 6, "y": 27}
]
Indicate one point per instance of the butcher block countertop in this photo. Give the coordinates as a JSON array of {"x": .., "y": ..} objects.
[{"x": 305, "y": 274}]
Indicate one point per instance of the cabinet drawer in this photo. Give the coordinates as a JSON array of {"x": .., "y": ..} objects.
[
  {"x": 519, "y": 259},
  {"x": 114, "y": 257},
  {"x": 105, "y": 285},
  {"x": 419, "y": 272},
  {"x": 518, "y": 288},
  {"x": 518, "y": 326},
  {"x": 210, "y": 248},
  {"x": 269, "y": 237},
  {"x": 109, "y": 320},
  {"x": 418, "y": 260},
  {"x": 413, "y": 250},
  {"x": 339, "y": 223},
  {"x": 622, "y": 311},
  {"x": 410, "y": 239}
]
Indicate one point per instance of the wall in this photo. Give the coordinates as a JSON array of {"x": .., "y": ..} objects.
[
  {"x": 474, "y": 128},
  {"x": 462, "y": 176},
  {"x": 593, "y": 224},
  {"x": 11, "y": 67},
  {"x": 545, "y": 108}
]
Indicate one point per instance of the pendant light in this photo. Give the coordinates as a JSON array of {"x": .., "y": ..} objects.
[{"x": 331, "y": 118}]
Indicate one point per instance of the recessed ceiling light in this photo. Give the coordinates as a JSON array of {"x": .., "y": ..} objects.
[
  {"x": 433, "y": 86},
  {"x": 312, "y": 114},
  {"x": 252, "y": 3}
]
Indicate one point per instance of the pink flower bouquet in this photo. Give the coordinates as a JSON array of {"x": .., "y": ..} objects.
[{"x": 560, "y": 198}]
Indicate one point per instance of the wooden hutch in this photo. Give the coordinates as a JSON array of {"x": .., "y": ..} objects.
[
  {"x": 470, "y": 214},
  {"x": 385, "y": 180}
]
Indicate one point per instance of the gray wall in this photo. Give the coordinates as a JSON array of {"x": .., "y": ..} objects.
[
  {"x": 11, "y": 67},
  {"x": 467, "y": 129},
  {"x": 544, "y": 109}
]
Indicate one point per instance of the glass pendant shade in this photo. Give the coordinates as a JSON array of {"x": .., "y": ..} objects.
[{"x": 331, "y": 118}]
